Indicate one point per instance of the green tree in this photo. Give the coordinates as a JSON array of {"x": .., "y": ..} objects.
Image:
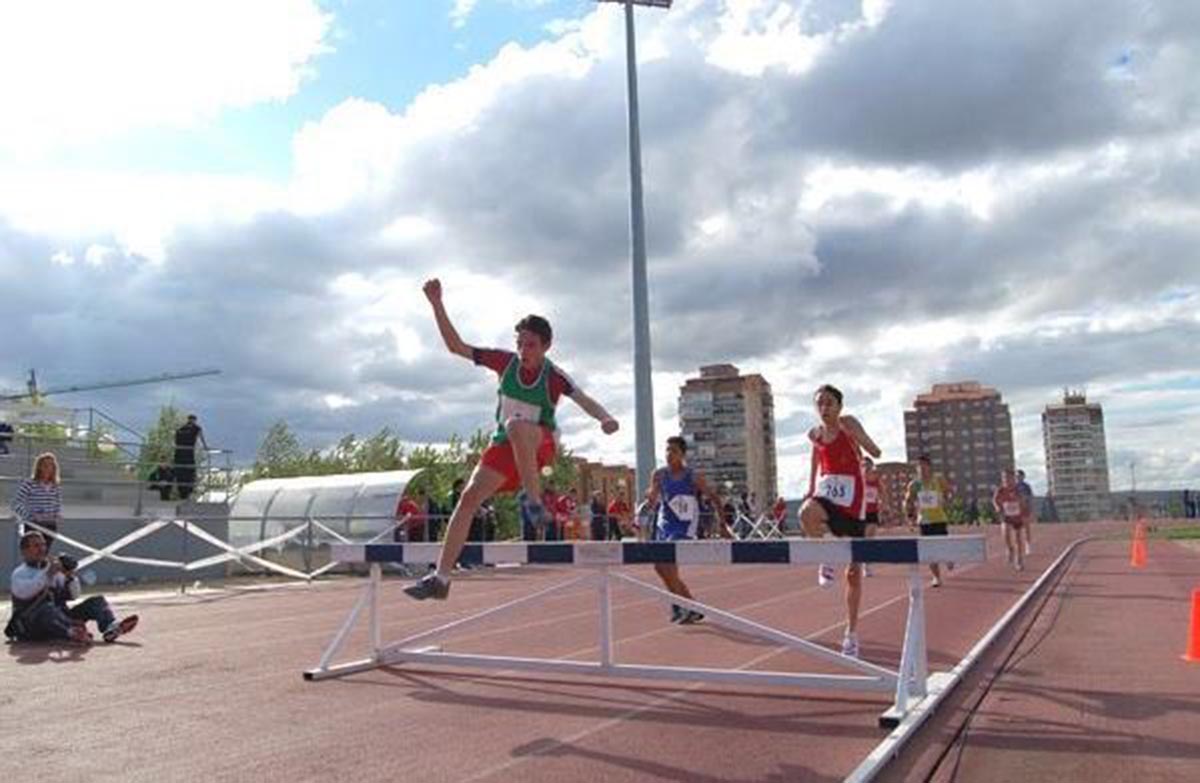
[
  {"x": 280, "y": 454},
  {"x": 159, "y": 444}
]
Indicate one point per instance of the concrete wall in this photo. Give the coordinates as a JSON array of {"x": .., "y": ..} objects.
[{"x": 167, "y": 544}]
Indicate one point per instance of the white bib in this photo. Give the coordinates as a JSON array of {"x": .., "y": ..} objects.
[
  {"x": 1012, "y": 508},
  {"x": 511, "y": 409},
  {"x": 685, "y": 508},
  {"x": 836, "y": 488},
  {"x": 871, "y": 495},
  {"x": 929, "y": 498}
]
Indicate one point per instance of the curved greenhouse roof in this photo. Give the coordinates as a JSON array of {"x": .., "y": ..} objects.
[{"x": 351, "y": 503}]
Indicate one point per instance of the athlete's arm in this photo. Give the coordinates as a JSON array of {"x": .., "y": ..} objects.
[
  {"x": 704, "y": 489},
  {"x": 454, "y": 343},
  {"x": 910, "y": 503},
  {"x": 812, "y": 469},
  {"x": 652, "y": 490},
  {"x": 996, "y": 503},
  {"x": 852, "y": 425},
  {"x": 595, "y": 410}
]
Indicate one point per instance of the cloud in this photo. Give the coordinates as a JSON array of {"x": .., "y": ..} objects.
[
  {"x": 923, "y": 192},
  {"x": 72, "y": 72}
]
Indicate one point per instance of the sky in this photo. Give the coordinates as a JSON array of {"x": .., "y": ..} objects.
[{"x": 880, "y": 195}]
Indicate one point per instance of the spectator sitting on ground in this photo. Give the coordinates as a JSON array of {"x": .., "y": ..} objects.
[
  {"x": 38, "y": 499},
  {"x": 41, "y": 588}
]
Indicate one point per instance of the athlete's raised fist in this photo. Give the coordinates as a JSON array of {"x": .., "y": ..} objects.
[
  {"x": 609, "y": 426},
  {"x": 433, "y": 290}
]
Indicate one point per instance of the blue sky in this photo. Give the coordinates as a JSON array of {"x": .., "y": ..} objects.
[
  {"x": 263, "y": 187},
  {"x": 384, "y": 52}
]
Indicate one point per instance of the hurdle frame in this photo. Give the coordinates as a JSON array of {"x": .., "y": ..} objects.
[{"x": 910, "y": 683}]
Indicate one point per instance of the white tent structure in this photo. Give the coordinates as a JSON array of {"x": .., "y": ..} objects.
[{"x": 336, "y": 508}]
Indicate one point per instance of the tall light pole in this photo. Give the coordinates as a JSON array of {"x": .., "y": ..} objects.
[{"x": 643, "y": 391}]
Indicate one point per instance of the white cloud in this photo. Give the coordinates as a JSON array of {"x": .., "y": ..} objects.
[{"x": 71, "y": 72}]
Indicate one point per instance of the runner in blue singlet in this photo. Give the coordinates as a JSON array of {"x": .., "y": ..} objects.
[{"x": 679, "y": 488}]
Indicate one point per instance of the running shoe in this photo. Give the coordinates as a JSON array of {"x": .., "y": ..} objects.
[
  {"x": 691, "y": 617},
  {"x": 850, "y": 645},
  {"x": 430, "y": 586},
  {"x": 937, "y": 582},
  {"x": 867, "y": 569},
  {"x": 825, "y": 575},
  {"x": 119, "y": 629},
  {"x": 677, "y": 613}
]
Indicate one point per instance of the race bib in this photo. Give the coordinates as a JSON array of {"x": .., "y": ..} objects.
[
  {"x": 929, "y": 499},
  {"x": 838, "y": 489},
  {"x": 871, "y": 495},
  {"x": 684, "y": 507},
  {"x": 1011, "y": 508},
  {"x": 511, "y": 409}
]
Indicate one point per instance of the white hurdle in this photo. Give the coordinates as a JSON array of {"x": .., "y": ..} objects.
[{"x": 910, "y": 684}]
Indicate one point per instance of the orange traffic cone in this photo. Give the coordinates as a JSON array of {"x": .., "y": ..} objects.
[
  {"x": 1193, "y": 646},
  {"x": 1137, "y": 554}
]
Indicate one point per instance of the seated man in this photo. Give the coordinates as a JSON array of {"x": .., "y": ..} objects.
[
  {"x": 42, "y": 587},
  {"x": 162, "y": 481}
]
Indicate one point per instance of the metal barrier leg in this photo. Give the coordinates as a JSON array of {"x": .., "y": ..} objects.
[{"x": 914, "y": 666}]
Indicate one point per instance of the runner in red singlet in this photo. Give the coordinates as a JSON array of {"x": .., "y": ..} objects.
[
  {"x": 836, "y": 500},
  {"x": 1011, "y": 508}
]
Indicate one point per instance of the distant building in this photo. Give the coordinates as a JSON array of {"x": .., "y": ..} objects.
[
  {"x": 966, "y": 430},
  {"x": 612, "y": 481},
  {"x": 728, "y": 420},
  {"x": 893, "y": 480},
  {"x": 1076, "y": 458}
]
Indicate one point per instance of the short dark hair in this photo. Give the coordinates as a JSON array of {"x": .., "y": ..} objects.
[
  {"x": 831, "y": 390},
  {"x": 1021, "y": 473},
  {"x": 678, "y": 440},
  {"x": 925, "y": 458},
  {"x": 538, "y": 325},
  {"x": 30, "y": 537}
]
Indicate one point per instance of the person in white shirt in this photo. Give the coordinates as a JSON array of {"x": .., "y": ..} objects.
[{"x": 41, "y": 588}]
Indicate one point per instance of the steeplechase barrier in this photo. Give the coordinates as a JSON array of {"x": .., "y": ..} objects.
[{"x": 910, "y": 684}]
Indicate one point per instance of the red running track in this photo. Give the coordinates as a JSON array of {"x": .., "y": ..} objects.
[{"x": 210, "y": 686}]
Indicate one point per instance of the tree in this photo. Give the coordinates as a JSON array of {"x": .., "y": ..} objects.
[
  {"x": 158, "y": 447},
  {"x": 280, "y": 454}
]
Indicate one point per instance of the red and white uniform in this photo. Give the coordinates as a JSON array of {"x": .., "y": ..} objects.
[{"x": 839, "y": 473}]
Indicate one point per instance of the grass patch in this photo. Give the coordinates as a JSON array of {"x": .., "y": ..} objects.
[{"x": 1184, "y": 533}]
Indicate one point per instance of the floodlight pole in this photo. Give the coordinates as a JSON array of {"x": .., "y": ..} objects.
[{"x": 643, "y": 389}]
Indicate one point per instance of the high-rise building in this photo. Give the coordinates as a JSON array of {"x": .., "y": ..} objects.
[
  {"x": 728, "y": 420},
  {"x": 1076, "y": 458},
  {"x": 966, "y": 430}
]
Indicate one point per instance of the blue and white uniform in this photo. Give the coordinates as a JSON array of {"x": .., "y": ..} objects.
[{"x": 679, "y": 505}]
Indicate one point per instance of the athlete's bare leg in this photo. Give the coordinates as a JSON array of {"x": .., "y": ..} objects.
[
  {"x": 484, "y": 483},
  {"x": 526, "y": 437},
  {"x": 669, "y": 574},
  {"x": 853, "y": 596}
]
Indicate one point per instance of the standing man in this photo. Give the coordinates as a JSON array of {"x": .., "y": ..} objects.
[
  {"x": 530, "y": 386},
  {"x": 836, "y": 501},
  {"x": 1026, "y": 492},
  {"x": 186, "y": 438},
  {"x": 676, "y": 490},
  {"x": 925, "y": 503},
  {"x": 599, "y": 517}
]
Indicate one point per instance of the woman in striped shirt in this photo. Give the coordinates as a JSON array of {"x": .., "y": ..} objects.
[{"x": 39, "y": 499}]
